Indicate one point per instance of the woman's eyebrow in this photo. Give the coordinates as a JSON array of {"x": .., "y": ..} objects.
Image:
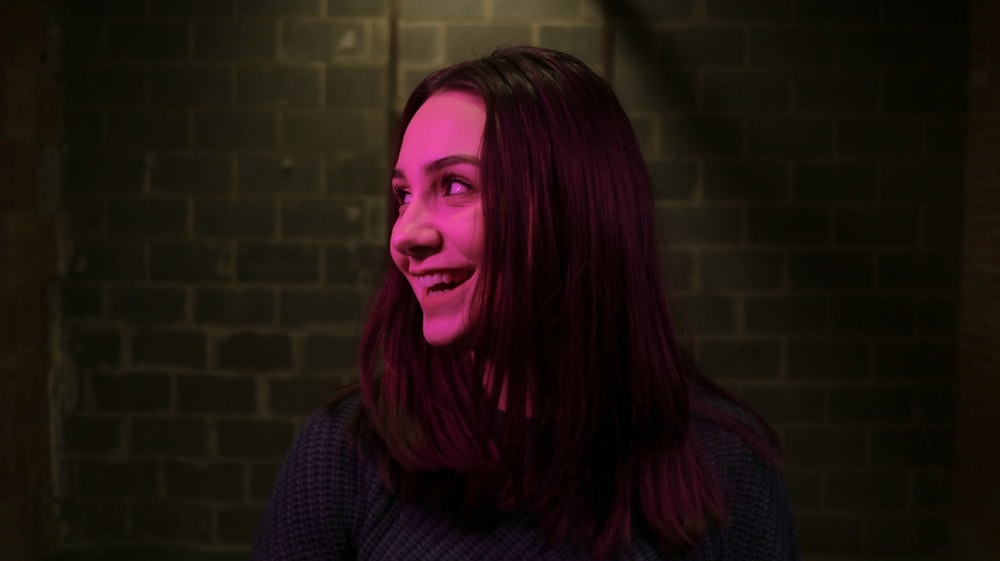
[{"x": 441, "y": 163}]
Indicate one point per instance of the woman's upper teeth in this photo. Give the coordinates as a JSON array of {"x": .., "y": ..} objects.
[{"x": 435, "y": 279}]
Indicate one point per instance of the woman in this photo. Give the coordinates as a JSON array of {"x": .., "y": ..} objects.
[{"x": 523, "y": 393}]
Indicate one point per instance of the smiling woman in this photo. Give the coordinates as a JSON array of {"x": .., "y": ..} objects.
[{"x": 523, "y": 391}]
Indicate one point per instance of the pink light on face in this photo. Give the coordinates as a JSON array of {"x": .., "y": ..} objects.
[{"x": 437, "y": 239}]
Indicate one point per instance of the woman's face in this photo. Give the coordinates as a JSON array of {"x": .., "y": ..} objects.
[{"x": 437, "y": 239}]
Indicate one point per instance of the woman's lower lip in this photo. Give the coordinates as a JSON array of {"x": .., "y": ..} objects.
[{"x": 438, "y": 299}]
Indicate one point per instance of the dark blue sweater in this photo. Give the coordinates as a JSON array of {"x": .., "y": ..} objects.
[{"x": 328, "y": 504}]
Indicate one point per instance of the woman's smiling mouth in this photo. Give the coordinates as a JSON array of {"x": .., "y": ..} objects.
[{"x": 443, "y": 281}]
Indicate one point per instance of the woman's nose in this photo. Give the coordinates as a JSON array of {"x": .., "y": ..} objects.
[{"x": 414, "y": 233}]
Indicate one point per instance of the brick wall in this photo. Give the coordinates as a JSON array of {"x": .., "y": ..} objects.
[
  {"x": 224, "y": 179},
  {"x": 976, "y": 523},
  {"x": 28, "y": 262}
]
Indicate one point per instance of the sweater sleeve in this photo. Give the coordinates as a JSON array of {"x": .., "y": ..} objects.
[{"x": 313, "y": 507}]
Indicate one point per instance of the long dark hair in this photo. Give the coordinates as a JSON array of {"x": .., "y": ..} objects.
[{"x": 571, "y": 322}]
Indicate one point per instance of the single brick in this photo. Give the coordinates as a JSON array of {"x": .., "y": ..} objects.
[
  {"x": 923, "y": 182},
  {"x": 191, "y": 261},
  {"x": 254, "y": 439},
  {"x": 262, "y": 478},
  {"x": 83, "y": 40},
  {"x": 932, "y": 488},
  {"x": 649, "y": 88},
  {"x": 873, "y": 405},
  {"x": 866, "y": 491},
  {"x": 701, "y": 135},
  {"x": 699, "y": 46},
  {"x": 876, "y": 226},
  {"x": 747, "y": 91},
  {"x": 643, "y": 11},
  {"x": 844, "y": 11},
  {"x": 197, "y": 86},
  {"x": 889, "y": 315},
  {"x": 530, "y": 9},
  {"x": 82, "y": 301},
  {"x": 356, "y": 8},
  {"x": 827, "y": 359},
  {"x": 742, "y": 269},
  {"x": 673, "y": 180},
  {"x": 947, "y": 50},
  {"x": 790, "y": 137},
  {"x": 945, "y": 137},
  {"x": 745, "y": 359},
  {"x": 215, "y": 481},
  {"x": 419, "y": 9},
  {"x": 254, "y": 352},
  {"x": 117, "y": 86},
  {"x": 938, "y": 316},
  {"x": 234, "y": 306},
  {"x": 277, "y": 262},
  {"x": 736, "y": 10},
  {"x": 334, "y": 129},
  {"x": 235, "y": 130},
  {"x": 788, "y": 404},
  {"x": 157, "y": 217},
  {"x": 582, "y": 41},
  {"x": 148, "y": 40},
  {"x": 357, "y": 173},
  {"x": 147, "y": 304},
  {"x": 831, "y": 270},
  {"x": 198, "y": 174},
  {"x": 354, "y": 264},
  {"x": 133, "y": 391},
  {"x": 464, "y": 41},
  {"x": 238, "y": 524},
  {"x": 936, "y": 14},
  {"x": 247, "y": 39},
  {"x": 837, "y": 92},
  {"x": 146, "y": 129},
  {"x": 788, "y": 225},
  {"x": 169, "y": 348},
  {"x": 168, "y": 520},
  {"x": 92, "y": 347},
  {"x": 278, "y": 86},
  {"x": 831, "y": 533},
  {"x": 826, "y": 447},
  {"x": 240, "y": 218},
  {"x": 130, "y": 479},
  {"x": 787, "y": 314},
  {"x": 321, "y": 218},
  {"x": 279, "y": 8},
  {"x": 791, "y": 47},
  {"x": 321, "y": 306},
  {"x": 88, "y": 221},
  {"x": 420, "y": 44},
  {"x": 916, "y": 360},
  {"x": 935, "y": 404},
  {"x": 323, "y": 41},
  {"x": 192, "y": 8},
  {"x": 840, "y": 182},
  {"x": 216, "y": 394},
  {"x": 300, "y": 396},
  {"x": 325, "y": 352},
  {"x": 907, "y": 534},
  {"x": 97, "y": 519},
  {"x": 744, "y": 180},
  {"x": 93, "y": 173},
  {"x": 912, "y": 447},
  {"x": 88, "y": 435},
  {"x": 805, "y": 489},
  {"x": 924, "y": 270},
  {"x": 924, "y": 93},
  {"x": 278, "y": 174},
  {"x": 882, "y": 48},
  {"x": 706, "y": 314},
  {"x": 169, "y": 436},
  {"x": 361, "y": 86},
  {"x": 685, "y": 224},
  {"x": 107, "y": 261}
]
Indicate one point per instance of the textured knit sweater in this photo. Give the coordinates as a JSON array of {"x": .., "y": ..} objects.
[{"x": 329, "y": 504}]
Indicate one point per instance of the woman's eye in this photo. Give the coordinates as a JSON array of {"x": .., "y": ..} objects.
[
  {"x": 455, "y": 186},
  {"x": 402, "y": 195}
]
